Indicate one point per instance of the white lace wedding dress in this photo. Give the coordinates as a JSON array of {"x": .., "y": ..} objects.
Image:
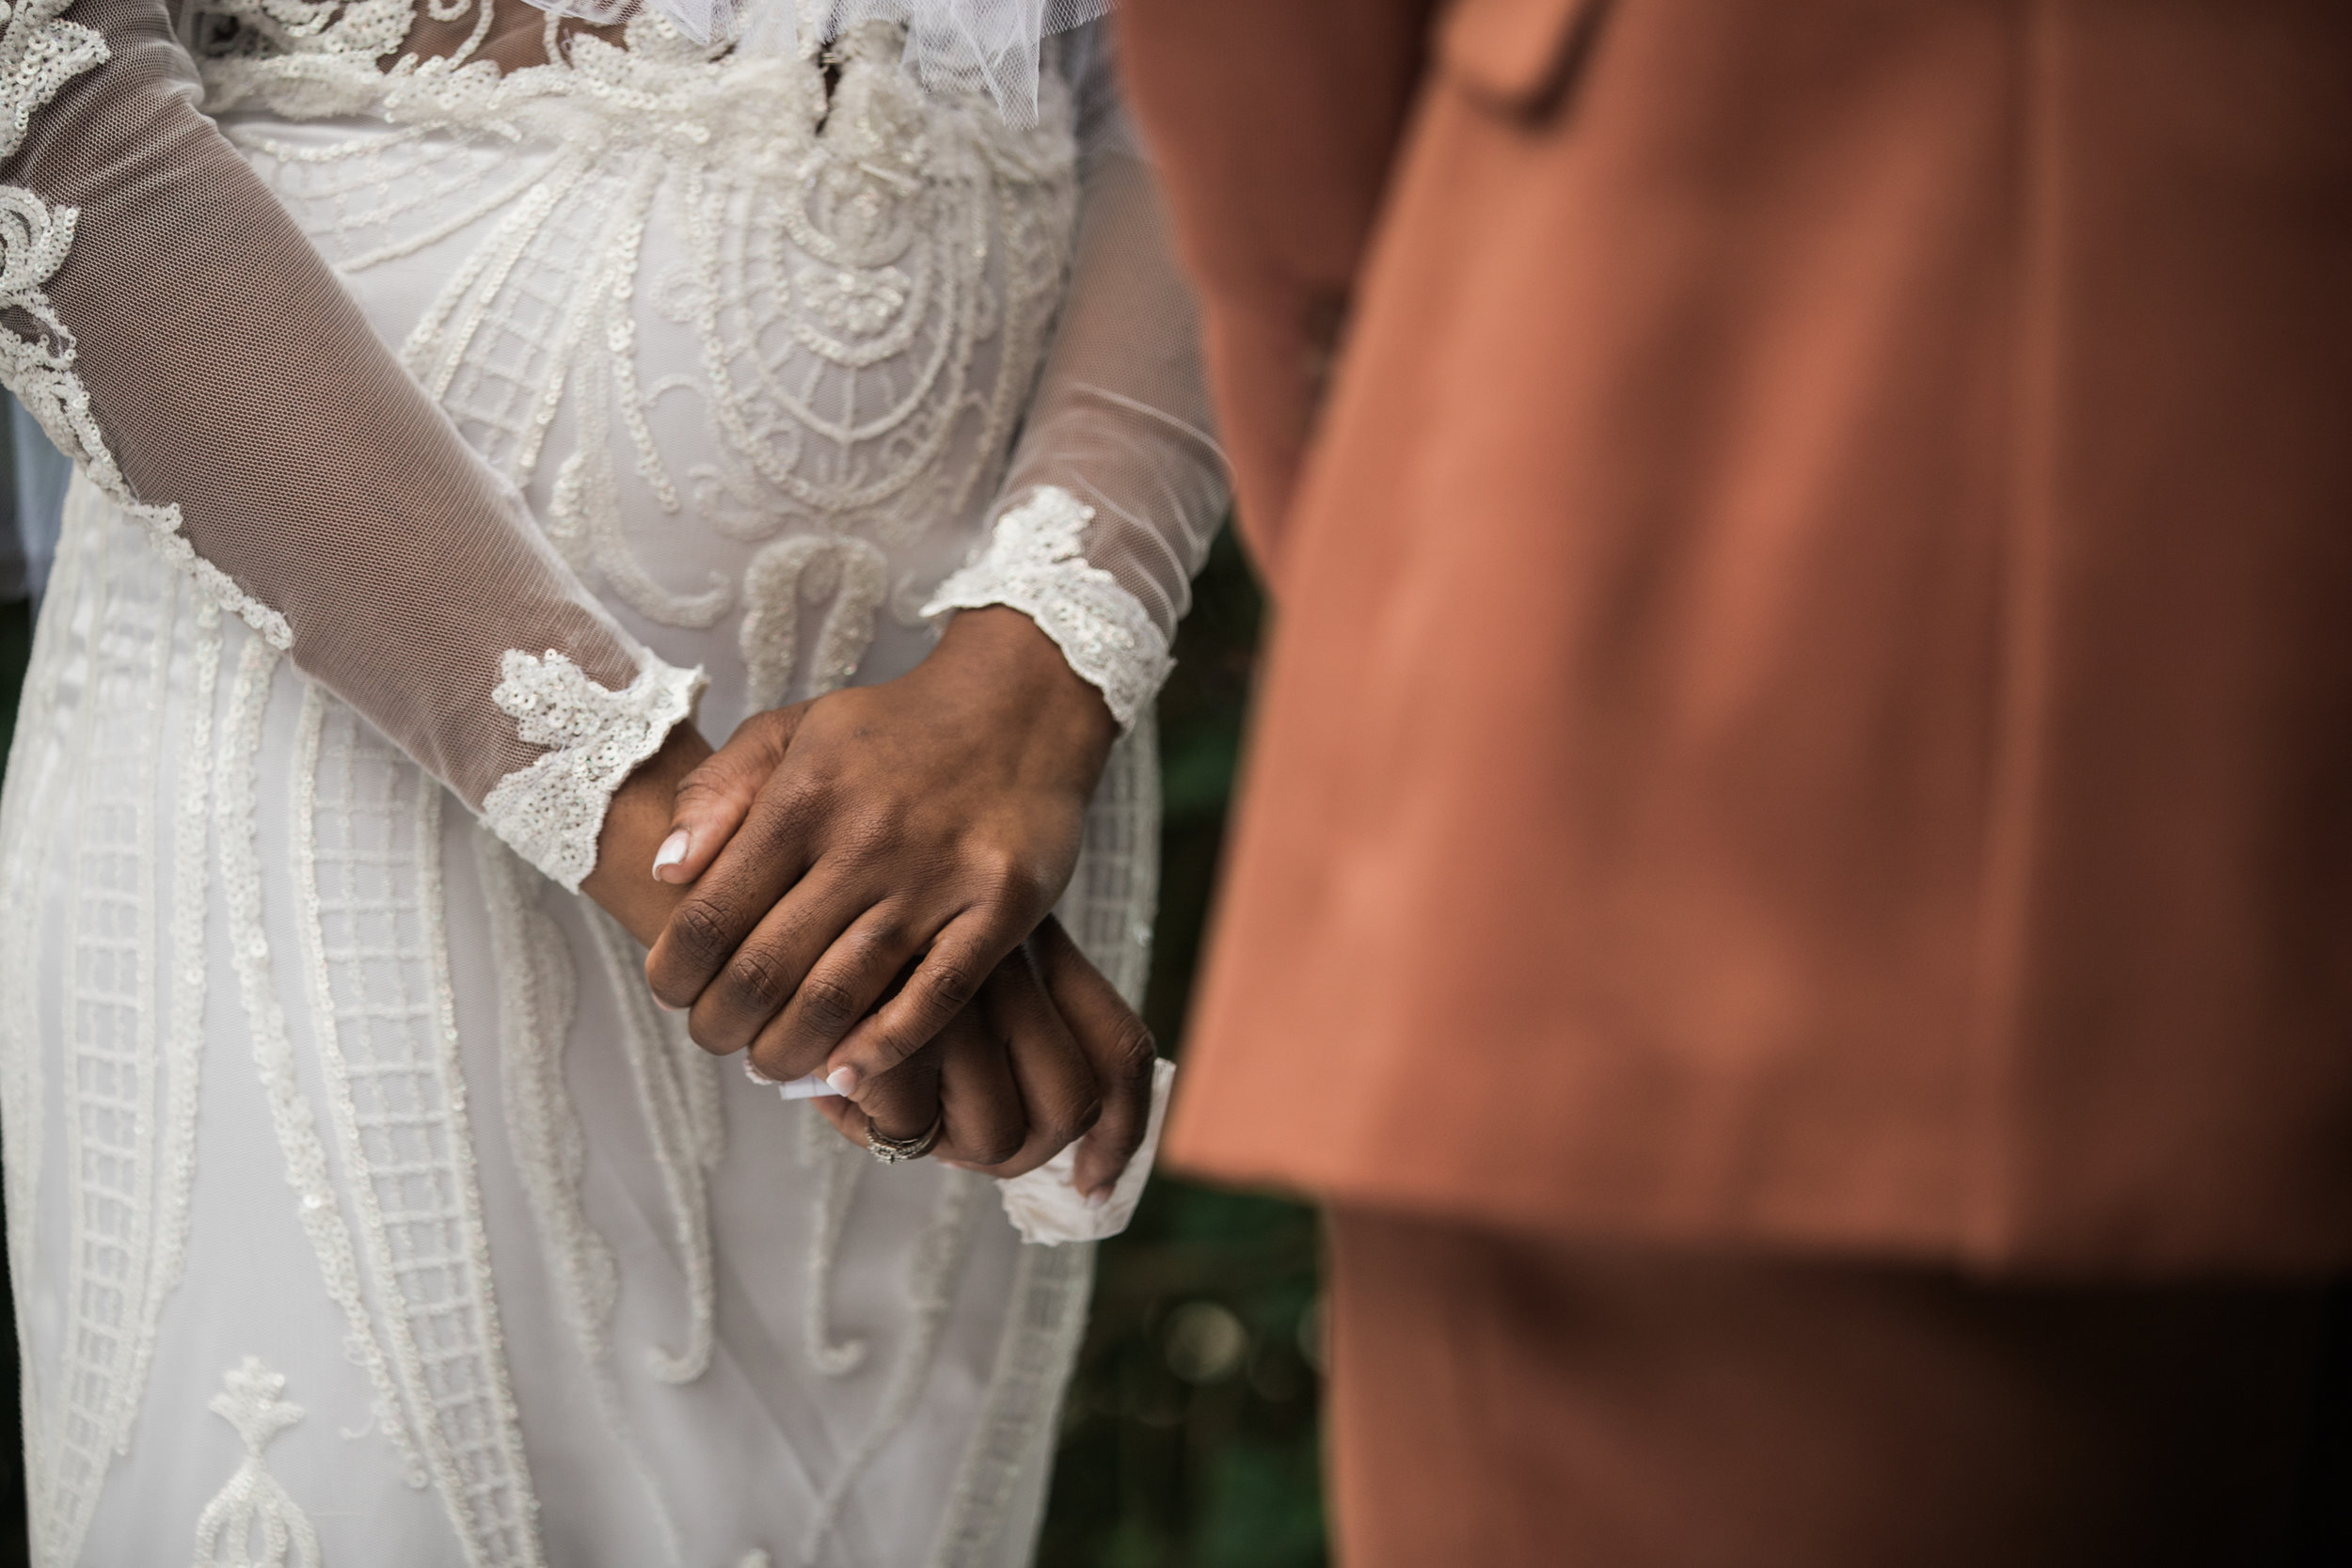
[{"x": 362, "y": 1208}]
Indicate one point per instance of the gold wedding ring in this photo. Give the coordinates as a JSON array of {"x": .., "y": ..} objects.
[{"x": 891, "y": 1150}]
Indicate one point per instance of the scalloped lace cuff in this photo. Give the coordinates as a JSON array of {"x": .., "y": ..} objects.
[
  {"x": 552, "y": 811},
  {"x": 1033, "y": 564}
]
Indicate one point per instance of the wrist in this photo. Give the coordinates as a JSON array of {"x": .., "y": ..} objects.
[
  {"x": 635, "y": 823},
  {"x": 1029, "y": 684}
]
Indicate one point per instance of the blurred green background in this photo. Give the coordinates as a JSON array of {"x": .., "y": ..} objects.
[{"x": 1189, "y": 1439}]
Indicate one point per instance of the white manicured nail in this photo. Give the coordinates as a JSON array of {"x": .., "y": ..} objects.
[
  {"x": 810, "y": 1088},
  {"x": 750, "y": 1070},
  {"x": 671, "y": 851},
  {"x": 844, "y": 1081}
]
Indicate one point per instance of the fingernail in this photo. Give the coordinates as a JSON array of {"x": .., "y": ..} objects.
[
  {"x": 1098, "y": 1197},
  {"x": 750, "y": 1070},
  {"x": 844, "y": 1081},
  {"x": 671, "y": 851},
  {"x": 665, "y": 1006}
]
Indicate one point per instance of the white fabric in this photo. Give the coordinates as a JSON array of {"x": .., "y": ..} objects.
[
  {"x": 1035, "y": 562},
  {"x": 179, "y": 339},
  {"x": 298, "y": 1067},
  {"x": 1046, "y": 1205},
  {"x": 996, "y": 43},
  {"x": 1048, "y": 1211}
]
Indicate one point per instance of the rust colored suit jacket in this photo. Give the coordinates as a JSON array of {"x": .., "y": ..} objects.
[{"x": 1811, "y": 704}]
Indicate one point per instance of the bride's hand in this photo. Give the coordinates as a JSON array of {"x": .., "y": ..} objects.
[
  {"x": 919, "y": 830},
  {"x": 1048, "y": 1054}
]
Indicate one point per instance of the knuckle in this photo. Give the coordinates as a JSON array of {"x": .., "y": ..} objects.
[
  {"x": 1073, "y": 1120},
  {"x": 704, "y": 784},
  {"x": 701, "y": 934},
  {"x": 1006, "y": 878},
  {"x": 1135, "y": 1056},
  {"x": 827, "y": 1006},
  {"x": 995, "y": 1145},
  {"x": 781, "y": 819},
  {"x": 758, "y": 981},
  {"x": 952, "y": 985},
  {"x": 875, "y": 830}
]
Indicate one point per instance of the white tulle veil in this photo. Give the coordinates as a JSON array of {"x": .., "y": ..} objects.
[{"x": 995, "y": 43}]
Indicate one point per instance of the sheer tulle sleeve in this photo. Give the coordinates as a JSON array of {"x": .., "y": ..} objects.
[
  {"x": 1118, "y": 485},
  {"x": 180, "y": 340}
]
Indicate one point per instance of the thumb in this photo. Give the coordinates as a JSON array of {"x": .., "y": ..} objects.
[{"x": 713, "y": 800}]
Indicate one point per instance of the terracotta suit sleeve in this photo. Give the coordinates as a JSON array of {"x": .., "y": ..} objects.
[{"x": 1273, "y": 128}]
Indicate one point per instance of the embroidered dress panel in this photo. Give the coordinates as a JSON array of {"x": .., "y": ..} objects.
[
  {"x": 253, "y": 1503},
  {"x": 110, "y": 1077},
  {"x": 485, "y": 410},
  {"x": 367, "y": 834}
]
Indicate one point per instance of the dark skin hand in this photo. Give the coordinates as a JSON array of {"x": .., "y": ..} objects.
[
  {"x": 1033, "y": 1067},
  {"x": 865, "y": 874},
  {"x": 1045, "y": 1052}
]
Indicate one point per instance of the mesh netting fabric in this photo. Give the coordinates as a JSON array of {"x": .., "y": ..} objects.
[
  {"x": 235, "y": 379},
  {"x": 1122, "y": 418},
  {"x": 1117, "y": 486},
  {"x": 216, "y": 361}
]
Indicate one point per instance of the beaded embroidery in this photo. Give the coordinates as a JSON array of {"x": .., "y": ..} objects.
[
  {"x": 552, "y": 811},
  {"x": 367, "y": 842},
  {"x": 235, "y": 788},
  {"x": 1034, "y": 563},
  {"x": 255, "y": 1503},
  {"x": 35, "y": 239},
  {"x": 110, "y": 1078}
]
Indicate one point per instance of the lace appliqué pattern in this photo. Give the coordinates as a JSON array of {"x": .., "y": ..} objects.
[
  {"x": 847, "y": 575},
  {"x": 1035, "y": 565},
  {"x": 255, "y": 1503},
  {"x": 552, "y": 811},
  {"x": 869, "y": 295},
  {"x": 536, "y": 1004},
  {"x": 236, "y": 786},
  {"x": 678, "y": 1085},
  {"x": 38, "y": 54}
]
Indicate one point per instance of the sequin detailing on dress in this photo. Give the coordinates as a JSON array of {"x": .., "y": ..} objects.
[
  {"x": 253, "y": 1523},
  {"x": 1035, "y": 562},
  {"x": 35, "y": 239},
  {"x": 552, "y": 811}
]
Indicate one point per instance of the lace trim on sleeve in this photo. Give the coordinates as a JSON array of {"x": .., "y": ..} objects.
[
  {"x": 552, "y": 811},
  {"x": 1034, "y": 565},
  {"x": 35, "y": 239},
  {"x": 40, "y": 52}
]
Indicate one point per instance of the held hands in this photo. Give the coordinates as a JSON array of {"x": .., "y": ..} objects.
[
  {"x": 1049, "y": 1053},
  {"x": 869, "y": 878}
]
